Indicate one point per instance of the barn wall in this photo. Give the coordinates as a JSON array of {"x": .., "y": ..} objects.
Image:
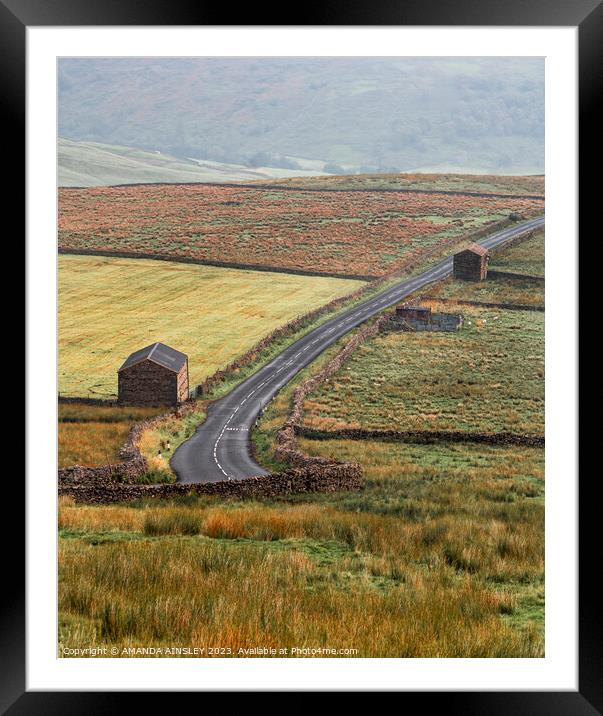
[
  {"x": 147, "y": 383},
  {"x": 468, "y": 266},
  {"x": 331, "y": 477},
  {"x": 182, "y": 383}
]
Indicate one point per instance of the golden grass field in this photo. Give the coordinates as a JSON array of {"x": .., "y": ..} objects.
[
  {"x": 110, "y": 307},
  {"x": 92, "y": 435},
  {"x": 441, "y": 555},
  {"x": 517, "y": 185}
]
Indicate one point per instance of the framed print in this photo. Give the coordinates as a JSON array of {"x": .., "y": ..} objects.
[{"x": 292, "y": 394}]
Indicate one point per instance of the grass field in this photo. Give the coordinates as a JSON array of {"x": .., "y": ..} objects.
[
  {"x": 92, "y": 435},
  {"x": 526, "y": 292},
  {"x": 440, "y": 556},
  {"x": 487, "y": 377},
  {"x": 346, "y": 233},
  {"x": 519, "y": 185},
  {"x": 110, "y": 307},
  {"x": 526, "y": 257}
]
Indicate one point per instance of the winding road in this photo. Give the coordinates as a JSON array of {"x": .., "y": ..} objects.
[{"x": 220, "y": 447}]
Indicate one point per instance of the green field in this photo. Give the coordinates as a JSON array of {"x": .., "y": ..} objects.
[
  {"x": 525, "y": 292},
  {"x": 525, "y": 257},
  {"x": 487, "y": 377},
  {"x": 110, "y": 307}
]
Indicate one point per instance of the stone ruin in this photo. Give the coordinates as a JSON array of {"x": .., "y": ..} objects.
[{"x": 421, "y": 318}]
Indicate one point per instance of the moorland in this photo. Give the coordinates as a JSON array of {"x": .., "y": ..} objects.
[
  {"x": 350, "y": 234},
  {"x": 441, "y": 554}
]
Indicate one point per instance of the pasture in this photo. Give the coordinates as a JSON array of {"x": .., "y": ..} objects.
[
  {"x": 522, "y": 291},
  {"x": 487, "y": 377},
  {"x": 109, "y": 307},
  {"x": 347, "y": 233},
  {"x": 525, "y": 257}
]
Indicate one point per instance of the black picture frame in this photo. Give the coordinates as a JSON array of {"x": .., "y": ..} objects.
[{"x": 587, "y": 16}]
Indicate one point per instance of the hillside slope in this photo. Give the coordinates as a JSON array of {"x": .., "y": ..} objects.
[{"x": 88, "y": 164}]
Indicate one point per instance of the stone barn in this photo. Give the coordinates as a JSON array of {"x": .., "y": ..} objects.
[
  {"x": 471, "y": 264},
  {"x": 155, "y": 375}
]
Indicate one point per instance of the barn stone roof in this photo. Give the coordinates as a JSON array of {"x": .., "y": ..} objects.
[
  {"x": 475, "y": 249},
  {"x": 157, "y": 353}
]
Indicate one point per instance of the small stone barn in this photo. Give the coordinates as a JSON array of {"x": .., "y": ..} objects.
[
  {"x": 471, "y": 264},
  {"x": 155, "y": 375}
]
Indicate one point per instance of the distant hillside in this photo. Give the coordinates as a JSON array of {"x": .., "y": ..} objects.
[
  {"x": 454, "y": 115},
  {"x": 94, "y": 164}
]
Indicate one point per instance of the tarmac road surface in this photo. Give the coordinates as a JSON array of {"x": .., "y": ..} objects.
[{"x": 220, "y": 447}]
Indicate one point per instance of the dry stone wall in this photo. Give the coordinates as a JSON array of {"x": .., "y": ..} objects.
[
  {"x": 118, "y": 482},
  {"x": 493, "y": 275},
  {"x": 435, "y": 322},
  {"x": 422, "y": 436},
  {"x": 487, "y": 304},
  {"x": 312, "y": 478},
  {"x": 121, "y": 472}
]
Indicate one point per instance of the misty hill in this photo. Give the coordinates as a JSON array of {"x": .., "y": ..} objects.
[
  {"x": 95, "y": 164},
  {"x": 343, "y": 114}
]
